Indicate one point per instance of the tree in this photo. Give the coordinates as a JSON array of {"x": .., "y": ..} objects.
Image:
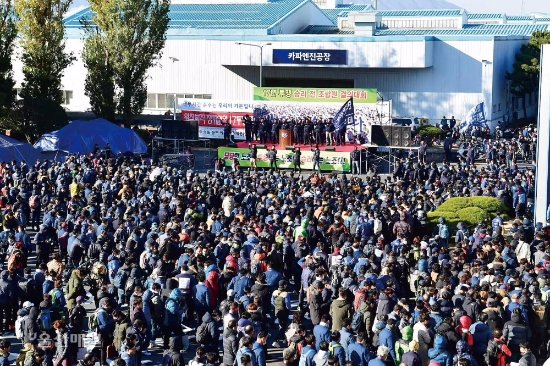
[
  {"x": 42, "y": 40},
  {"x": 99, "y": 85},
  {"x": 8, "y": 32},
  {"x": 37, "y": 116},
  {"x": 127, "y": 40},
  {"x": 524, "y": 79}
]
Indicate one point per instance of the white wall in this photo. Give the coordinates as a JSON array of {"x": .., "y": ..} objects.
[{"x": 423, "y": 78}]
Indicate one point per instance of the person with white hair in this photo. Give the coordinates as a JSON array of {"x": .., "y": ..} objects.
[{"x": 381, "y": 356}]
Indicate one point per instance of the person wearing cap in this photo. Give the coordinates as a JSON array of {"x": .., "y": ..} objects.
[
  {"x": 281, "y": 304},
  {"x": 77, "y": 314}
]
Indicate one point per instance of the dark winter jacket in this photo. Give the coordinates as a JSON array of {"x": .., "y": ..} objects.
[
  {"x": 449, "y": 332},
  {"x": 482, "y": 335},
  {"x": 230, "y": 346},
  {"x": 516, "y": 331}
]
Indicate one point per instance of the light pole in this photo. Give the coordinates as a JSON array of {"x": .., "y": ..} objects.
[
  {"x": 173, "y": 59},
  {"x": 261, "y": 47}
]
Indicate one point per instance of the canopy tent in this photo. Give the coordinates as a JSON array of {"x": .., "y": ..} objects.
[
  {"x": 80, "y": 137},
  {"x": 11, "y": 149}
]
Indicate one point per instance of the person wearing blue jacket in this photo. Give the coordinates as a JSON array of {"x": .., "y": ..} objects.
[
  {"x": 346, "y": 336},
  {"x": 439, "y": 353},
  {"x": 387, "y": 338},
  {"x": 272, "y": 277},
  {"x": 322, "y": 331},
  {"x": 482, "y": 334},
  {"x": 335, "y": 347},
  {"x": 172, "y": 316},
  {"x": 201, "y": 295},
  {"x": 245, "y": 345},
  {"x": 358, "y": 352},
  {"x": 239, "y": 282},
  {"x": 308, "y": 351},
  {"x": 105, "y": 327},
  {"x": 382, "y": 354},
  {"x": 258, "y": 349}
]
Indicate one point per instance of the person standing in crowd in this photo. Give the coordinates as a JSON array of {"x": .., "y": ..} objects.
[{"x": 181, "y": 250}]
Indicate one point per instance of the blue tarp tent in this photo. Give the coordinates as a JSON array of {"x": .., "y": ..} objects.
[
  {"x": 81, "y": 136},
  {"x": 11, "y": 149}
]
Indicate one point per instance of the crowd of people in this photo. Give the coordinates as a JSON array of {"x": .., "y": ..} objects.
[{"x": 333, "y": 269}]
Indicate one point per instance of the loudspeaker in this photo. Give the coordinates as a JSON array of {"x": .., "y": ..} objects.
[
  {"x": 395, "y": 136},
  {"x": 191, "y": 130},
  {"x": 401, "y": 136},
  {"x": 406, "y": 136},
  {"x": 330, "y": 148},
  {"x": 171, "y": 129},
  {"x": 289, "y": 147},
  {"x": 381, "y": 135}
]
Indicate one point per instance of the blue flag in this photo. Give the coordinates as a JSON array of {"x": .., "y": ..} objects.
[
  {"x": 474, "y": 117},
  {"x": 345, "y": 116}
]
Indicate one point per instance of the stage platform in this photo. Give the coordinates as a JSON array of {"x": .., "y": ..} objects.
[{"x": 345, "y": 148}]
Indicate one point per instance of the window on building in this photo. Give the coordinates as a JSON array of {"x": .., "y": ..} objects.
[
  {"x": 499, "y": 107},
  {"x": 151, "y": 101},
  {"x": 67, "y": 97},
  {"x": 161, "y": 100}
]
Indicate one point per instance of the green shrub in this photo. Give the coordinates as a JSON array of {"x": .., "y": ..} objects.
[
  {"x": 455, "y": 204},
  {"x": 489, "y": 204},
  {"x": 429, "y": 131},
  {"x": 472, "y": 215},
  {"x": 470, "y": 210}
]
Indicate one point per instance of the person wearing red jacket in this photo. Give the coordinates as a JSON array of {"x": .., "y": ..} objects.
[
  {"x": 497, "y": 350},
  {"x": 212, "y": 274}
]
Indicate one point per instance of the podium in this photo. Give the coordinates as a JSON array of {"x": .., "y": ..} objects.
[{"x": 285, "y": 138}]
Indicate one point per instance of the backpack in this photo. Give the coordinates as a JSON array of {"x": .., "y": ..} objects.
[
  {"x": 15, "y": 261},
  {"x": 255, "y": 268},
  {"x": 357, "y": 322},
  {"x": 360, "y": 296},
  {"x": 303, "y": 357},
  {"x": 92, "y": 320},
  {"x": 130, "y": 283},
  {"x": 168, "y": 358},
  {"x": 540, "y": 315},
  {"x": 332, "y": 346},
  {"x": 443, "y": 231},
  {"x": 23, "y": 354},
  {"x": 202, "y": 334},
  {"x": 377, "y": 226},
  {"x": 120, "y": 278},
  {"x": 493, "y": 350},
  {"x": 45, "y": 320},
  {"x": 20, "y": 326},
  {"x": 279, "y": 298},
  {"x": 33, "y": 201}
]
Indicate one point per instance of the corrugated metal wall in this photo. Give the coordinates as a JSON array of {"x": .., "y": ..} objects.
[{"x": 450, "y": 87}]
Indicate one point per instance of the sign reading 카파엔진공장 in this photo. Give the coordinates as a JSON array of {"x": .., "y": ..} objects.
[{"x": 310, "y": 57}]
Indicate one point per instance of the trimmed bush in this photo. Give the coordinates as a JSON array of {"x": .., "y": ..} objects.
[
  {"x": 455, "y": 204},
  {"x": 469, "y": 210},
  {"x": 472, "y": 215},
  {"x": 429, "y": 131}
]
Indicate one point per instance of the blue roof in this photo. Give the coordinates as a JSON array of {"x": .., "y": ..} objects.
[
  {"x": 486, "y": 15},
  {"x": 217, "y": 16},
  {"x": 518, "y": 17},
  {"x": 325, "y": 29},
  {"x": 471, "y": 30},
  {"x": 343, "y": 10},
  {"x": 421, "y": 13}
]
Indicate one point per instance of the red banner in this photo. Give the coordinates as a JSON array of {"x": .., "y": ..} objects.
[{"x": 214, "y": 119}]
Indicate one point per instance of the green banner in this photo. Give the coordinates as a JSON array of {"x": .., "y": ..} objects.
[
  {"x": 315, "y": 95},
  {"x": 339, "y": 161}
]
